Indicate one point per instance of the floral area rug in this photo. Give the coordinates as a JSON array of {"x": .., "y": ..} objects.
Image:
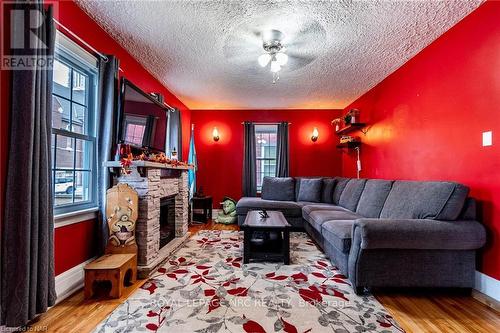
[{"x": 206, "y": 288}]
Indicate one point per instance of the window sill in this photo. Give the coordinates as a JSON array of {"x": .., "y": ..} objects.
[{"x": 65, "y": 219}]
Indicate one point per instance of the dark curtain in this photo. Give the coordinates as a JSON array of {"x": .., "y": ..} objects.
[
  {"x": 283, "y": 151},
  {"x": 249, "y": 163},
  {"x": 175, "y": 132},
  {"x": 108, "y": 92},
  {"x": 27, "y": 273}
]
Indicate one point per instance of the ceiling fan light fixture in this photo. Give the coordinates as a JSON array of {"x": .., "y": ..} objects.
[
  {"x": 264, "y": 59},
  {"x": 281, "y": 58}
]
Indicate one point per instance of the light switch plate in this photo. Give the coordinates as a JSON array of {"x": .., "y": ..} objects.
[{"x": 487, "y": 139}]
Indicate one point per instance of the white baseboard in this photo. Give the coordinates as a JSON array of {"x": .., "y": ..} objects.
[
  {"x": 487, "y": 285},
  {"x": 70, "y": 281}
]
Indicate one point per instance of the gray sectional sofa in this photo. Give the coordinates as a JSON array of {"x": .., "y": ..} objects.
[{"x": 382, "y": 233}]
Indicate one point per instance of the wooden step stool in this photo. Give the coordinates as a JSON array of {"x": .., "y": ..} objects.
[
  {"x": 119, "y": 264},
  {"x": 119, "y": 269}
]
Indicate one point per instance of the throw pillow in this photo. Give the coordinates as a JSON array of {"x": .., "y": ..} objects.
[
  {"x": 278, "y": 188},
  {"x": 310, "y": 190},
  {"x": 327, "y": 190}
]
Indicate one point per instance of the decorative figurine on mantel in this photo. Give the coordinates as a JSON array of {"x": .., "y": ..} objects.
[{"x": 173, "y": 155}]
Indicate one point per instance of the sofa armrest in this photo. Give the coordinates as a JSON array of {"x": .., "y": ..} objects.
[{"x": 419, "y": 234}]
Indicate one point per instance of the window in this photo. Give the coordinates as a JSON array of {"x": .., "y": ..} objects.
[
  {"x": 73, "y": 128},
  {"x": 265, "y": 140}
]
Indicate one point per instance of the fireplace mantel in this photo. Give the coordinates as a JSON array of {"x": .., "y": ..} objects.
[
  {"x": 148, "y": 164},
  {"x": 142, "y": 165}
]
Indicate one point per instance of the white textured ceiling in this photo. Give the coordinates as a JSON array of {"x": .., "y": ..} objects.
[{"x": 206, "y": 52}]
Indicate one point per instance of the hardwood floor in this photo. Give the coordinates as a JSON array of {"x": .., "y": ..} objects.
[{"x": 416, "y": 311}]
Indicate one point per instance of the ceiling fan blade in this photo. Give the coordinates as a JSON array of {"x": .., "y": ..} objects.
[
  {"x": 237, "y": 47},
  {"x": 297, "y": 61},
  {"x": 311, "y": 35}
]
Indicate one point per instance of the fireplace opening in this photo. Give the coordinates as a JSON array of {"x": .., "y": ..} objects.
[{"x": 167, "y": 220}]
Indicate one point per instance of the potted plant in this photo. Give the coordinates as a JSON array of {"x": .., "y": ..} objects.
[
  {"x": 351, "y": 117},
  {"x": 348, "y": 118}
]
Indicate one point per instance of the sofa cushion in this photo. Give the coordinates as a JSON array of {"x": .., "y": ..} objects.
[
  {"x": 310, "y": 189},
  {"x": 425, "y": 200},
  {"x": 308, "y": 208},
  {"x": 373, "y": 197},
  {"x": 288, "y": 208},
  {"x": 340, "y": 184},
  {"x": 351, "y": 194},
  {"x": 327, "y": 190},
  {"x": 278, "y": 188},
  {"x": 338, "y": 233},
  {"x": 318, "y": 217}
]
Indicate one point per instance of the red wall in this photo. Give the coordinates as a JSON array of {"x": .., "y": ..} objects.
[
  {"x": 426, "y": 119},
  {"x": 74, "y": 244},
  {"x": 220, "y": 163}
]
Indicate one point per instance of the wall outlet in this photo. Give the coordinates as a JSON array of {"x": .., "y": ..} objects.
[{"x": 487, "y": 139}]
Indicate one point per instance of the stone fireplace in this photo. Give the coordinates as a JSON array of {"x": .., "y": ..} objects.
[{"x": 163, "y": 197}]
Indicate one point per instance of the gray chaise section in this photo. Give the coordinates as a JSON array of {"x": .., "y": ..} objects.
[{"x": 423, "y": 253}]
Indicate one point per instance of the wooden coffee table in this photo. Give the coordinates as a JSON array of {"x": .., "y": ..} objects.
[{"x": 276, "y": 228}]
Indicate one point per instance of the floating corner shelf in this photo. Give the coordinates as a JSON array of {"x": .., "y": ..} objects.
[
  {"x": 348, "y": 145},
  {"x": 350, "y": 128}
]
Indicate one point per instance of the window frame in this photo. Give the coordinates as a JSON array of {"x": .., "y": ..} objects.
[
  {"x": 264, "y": 159},
  {"x": 68, "y": 56}
]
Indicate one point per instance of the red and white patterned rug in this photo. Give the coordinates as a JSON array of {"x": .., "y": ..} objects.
[{"x": 205, "y": 288}]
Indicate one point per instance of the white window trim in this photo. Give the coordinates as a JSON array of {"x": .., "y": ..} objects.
[
  {"x": 64, "y": 42},
  {"x": 62, "y": 220}
]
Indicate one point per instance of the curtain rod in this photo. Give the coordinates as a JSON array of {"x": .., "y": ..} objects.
[
  {"x": 82, "y": 41},
  {"x": 257, "y": 123}
]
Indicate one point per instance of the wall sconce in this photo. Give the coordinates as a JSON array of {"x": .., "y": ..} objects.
[
  {"x": 215, "y": 134},
  {"x": 315, "y": 135}
]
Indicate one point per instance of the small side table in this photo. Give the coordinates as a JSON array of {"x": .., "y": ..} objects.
[{"x": 201, "y": 208}]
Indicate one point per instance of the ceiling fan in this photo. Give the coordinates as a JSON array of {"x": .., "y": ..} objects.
[
  {"x": 282, "y": 46},
  {"x": 275, "y": 52}
]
